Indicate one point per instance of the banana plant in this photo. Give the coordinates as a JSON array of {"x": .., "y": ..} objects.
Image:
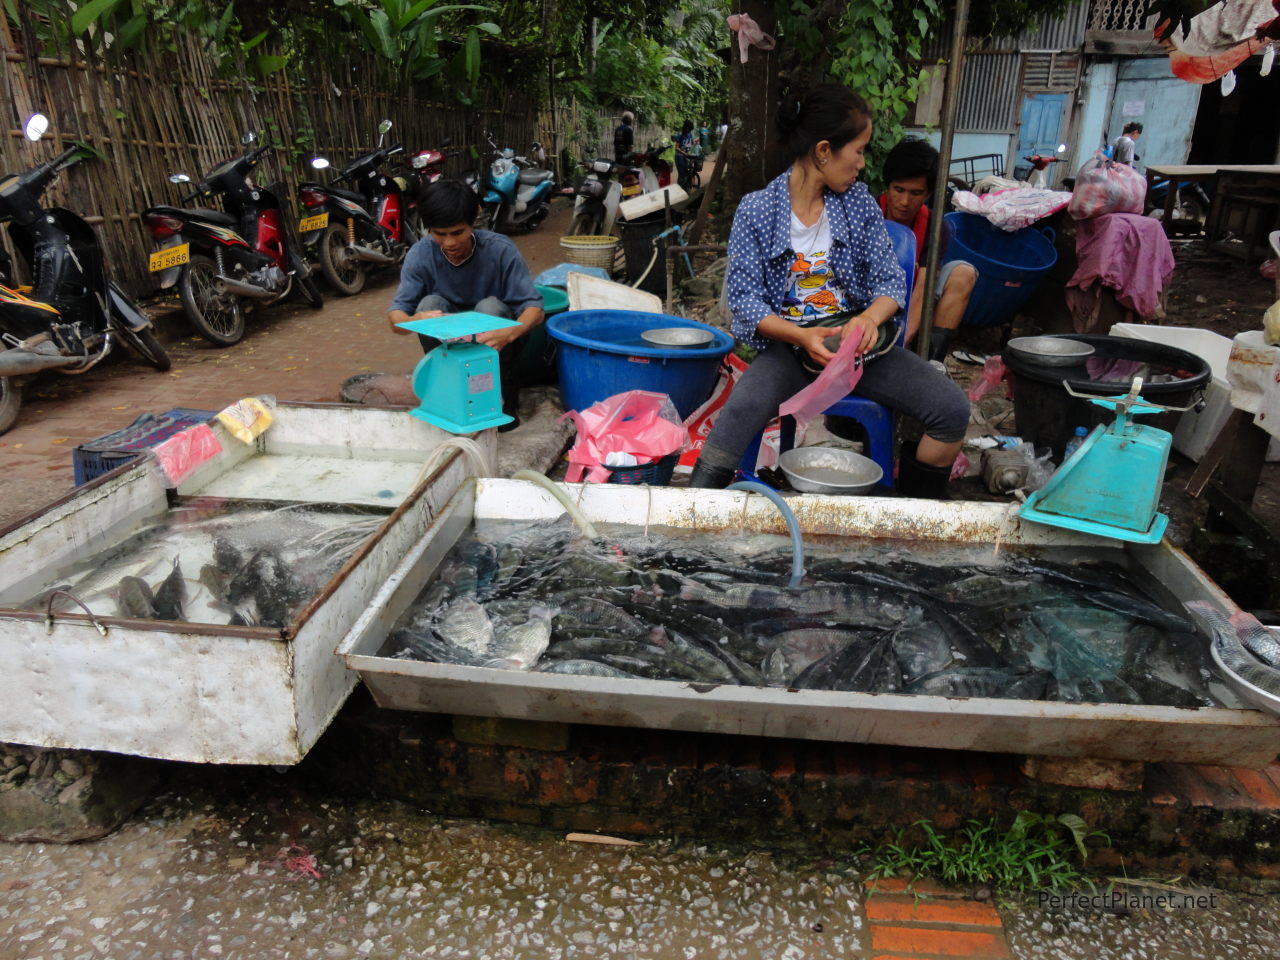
[{"x": 409, "y": 33}]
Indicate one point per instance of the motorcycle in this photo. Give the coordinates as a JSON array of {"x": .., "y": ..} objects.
[
  {"x": 517, "y": 191},
  {"x": 75, "y": 311},
  {"x": 655, "y": 166},
  {"x": 351, "y": 231},
  {"x": 417, "y": 173},
  {"x": 597, "y": 195},
  {"x": 216, "y": 258}
]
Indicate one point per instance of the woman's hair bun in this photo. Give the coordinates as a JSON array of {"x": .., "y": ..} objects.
[{"x": 828, "y": 111}]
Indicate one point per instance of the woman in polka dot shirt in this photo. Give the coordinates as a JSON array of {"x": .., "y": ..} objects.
[{"x": 809, "y": 252}]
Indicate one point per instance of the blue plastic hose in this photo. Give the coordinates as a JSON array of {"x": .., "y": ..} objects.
[{"x": 797, "y": 544}]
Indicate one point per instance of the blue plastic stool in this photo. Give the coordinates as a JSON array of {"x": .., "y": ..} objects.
[{"x": 875, "y": 418}]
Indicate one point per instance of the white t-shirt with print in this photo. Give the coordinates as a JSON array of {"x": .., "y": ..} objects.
[{"x": 813, "y": 292}]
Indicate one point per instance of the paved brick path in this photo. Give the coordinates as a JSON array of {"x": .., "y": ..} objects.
[{"x": 289, "y": 350}]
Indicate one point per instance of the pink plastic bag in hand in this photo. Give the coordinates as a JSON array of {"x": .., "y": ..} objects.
[
  {"x": 638, "y": 422},
  {"x": 835, "y": 382},
  {"x": 183, "y": 452}
]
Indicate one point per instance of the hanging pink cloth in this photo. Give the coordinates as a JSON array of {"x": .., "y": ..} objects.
[
  {"x": 1219, "y": 39},
  {"x": 835, "y": 382},
  {"x": 749, "y": 34}
]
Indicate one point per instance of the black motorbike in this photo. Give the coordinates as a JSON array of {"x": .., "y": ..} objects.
[
  {"x": 219, "y": 257},
  {"x": 74, "y": 312},
  {"x": 596, "y": 196},
  {"x": 352, "y": 230}
]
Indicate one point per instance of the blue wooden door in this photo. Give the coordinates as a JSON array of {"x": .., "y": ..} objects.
[{"x": 1041, "y": 129}]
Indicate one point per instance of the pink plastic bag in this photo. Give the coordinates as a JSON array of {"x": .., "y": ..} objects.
[
  {"x": 835, "y": 382},
  {"x": 993, "y": 371},
  {"x": 637, "y": 422},
  {"x": 184, "y": 451},
  {"x": 1104, "y": 186}
]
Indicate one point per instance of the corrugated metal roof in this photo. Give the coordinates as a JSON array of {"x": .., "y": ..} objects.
[{"x": 1063, "y": 31}]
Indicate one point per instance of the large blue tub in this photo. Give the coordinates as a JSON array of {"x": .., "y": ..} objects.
[
  {"x": 601, "y": 354},
  {"x": 1009, "y": 265}
]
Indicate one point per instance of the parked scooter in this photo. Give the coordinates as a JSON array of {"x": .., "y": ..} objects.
[
  {"x": 354, "y": 230},
  {"x": 75, "y": 308},
  {"x": 416, "y": 174},
  {"x": 597, "y": 195},
  {"x": 655, "y": 166},
  {"x": 216, "y": 258},
  {"x": 517, "y": 191}
]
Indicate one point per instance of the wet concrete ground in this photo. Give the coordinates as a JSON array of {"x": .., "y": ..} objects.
[{"x": 250, "y": 864}]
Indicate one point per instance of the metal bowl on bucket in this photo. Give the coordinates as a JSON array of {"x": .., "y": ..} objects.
[
  {"x": 829, "y": 470},
  {"x": 1253, "y": 695},
  {"x": 677, "y": 337},
  {"x": 1051, "y": 351}
]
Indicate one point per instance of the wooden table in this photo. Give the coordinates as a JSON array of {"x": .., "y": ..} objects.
[{"x": 1197, "y": 173}]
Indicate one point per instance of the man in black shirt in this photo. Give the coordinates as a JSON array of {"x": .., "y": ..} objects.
[{"x": 623, "y": 138}]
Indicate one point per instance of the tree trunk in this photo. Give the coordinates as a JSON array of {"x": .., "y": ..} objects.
[{"x": 753, "y": 103}]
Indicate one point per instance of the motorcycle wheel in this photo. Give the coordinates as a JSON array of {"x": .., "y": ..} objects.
[
  {"x": 144, "y": 344},
  {"x": 10, "y": 401},
  {"x": 216, "y": 316},
  {"x": 585, "y": 225},
  {"x": 344, "y": 272}
]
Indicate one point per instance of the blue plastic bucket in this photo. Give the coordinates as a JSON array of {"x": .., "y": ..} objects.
[
  {"x": 601, "y": 353},
  {"x": 1010, "y": 265}
]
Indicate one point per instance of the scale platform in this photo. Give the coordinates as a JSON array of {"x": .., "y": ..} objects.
[
  {"x": 458, "y": 384},
  {"x": 453, "y": 325}
]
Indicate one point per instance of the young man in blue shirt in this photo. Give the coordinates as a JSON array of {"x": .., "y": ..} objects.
[{"x": 456, "y": 268}]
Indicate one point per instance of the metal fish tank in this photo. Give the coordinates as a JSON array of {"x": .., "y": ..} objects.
[
  {"x": 198, "y": 623},
  {"x": 556, "y": 654}
]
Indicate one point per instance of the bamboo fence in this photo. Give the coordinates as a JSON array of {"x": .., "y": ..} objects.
[{"x": 173, "y": 112}]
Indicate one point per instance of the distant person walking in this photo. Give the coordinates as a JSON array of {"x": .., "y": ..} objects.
[
  {"x": 624, "y": 137},
  {"x": 1122, "y": 152}
]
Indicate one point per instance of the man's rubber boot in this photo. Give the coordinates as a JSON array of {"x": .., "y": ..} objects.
[
  {"x": 920, "y": 480},
  {"x": 711, "y": 478},
  {"x": 940, "y": 342}
]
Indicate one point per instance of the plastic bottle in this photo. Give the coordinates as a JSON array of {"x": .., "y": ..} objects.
[{"x": 1074, "y": 443}]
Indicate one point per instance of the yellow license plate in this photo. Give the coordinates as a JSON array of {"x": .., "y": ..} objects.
[
  {"x": 318, "y": 222},
  {"x": 631, "y": 191},
  {"x": 172, "y": 257}
]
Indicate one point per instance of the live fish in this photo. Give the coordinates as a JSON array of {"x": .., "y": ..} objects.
[
  {"x": 135, "y": 599},
  {"x": 983, "y": 682},
  {"x": 520, "y": 646},
  {"x": 464, "y": 623},
  {"x": 585, "y": 668},
  {"x": 171, "y": 595}
]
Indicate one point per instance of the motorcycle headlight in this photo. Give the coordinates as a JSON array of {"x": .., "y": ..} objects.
[
  {"x": 601, "y": 166},
  {"x": 500, "y": 168},
  {"x": 418, "y": 162}
]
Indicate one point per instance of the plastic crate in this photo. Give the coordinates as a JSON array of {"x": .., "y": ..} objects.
[
  {"x": 97, "y": 457},
  {"x": 656, "y": 474}
]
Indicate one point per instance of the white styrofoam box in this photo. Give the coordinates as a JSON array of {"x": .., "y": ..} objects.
[
  {"x": 651, "y": 202},
  {"x": 591, "y": 293},
  {"x": 1196, "y": 431}
]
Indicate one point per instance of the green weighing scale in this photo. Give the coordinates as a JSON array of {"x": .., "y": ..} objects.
[
  {"x": 1111, "y": 485},
  {"x": 459, "y": 384}
]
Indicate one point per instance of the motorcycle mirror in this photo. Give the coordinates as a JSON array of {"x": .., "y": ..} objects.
[
  {"x": 37, "y": 125},
  {"x": 320, "y": 163},
  {"x": 1062, "y": 148},
  {"x": 384, "y": 126},
  {"x": 179, "y": 178},
  {"x": 248, "y": 137}
]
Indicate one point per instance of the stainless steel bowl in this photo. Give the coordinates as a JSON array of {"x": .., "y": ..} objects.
[
  {"x": 1254, "y": 696},
  {"x": 829, "y": 470},
  {"x": 678, "y": 337},
  {"x": 1051, "y": 351}
]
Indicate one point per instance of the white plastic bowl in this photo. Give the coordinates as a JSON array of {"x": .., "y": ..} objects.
[{"x": 829, "y": 470}]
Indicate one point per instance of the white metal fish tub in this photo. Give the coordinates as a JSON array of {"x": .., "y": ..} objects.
[
  {"x": 1239, "y": 737},
  {"x": 202, "y": 692}
]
